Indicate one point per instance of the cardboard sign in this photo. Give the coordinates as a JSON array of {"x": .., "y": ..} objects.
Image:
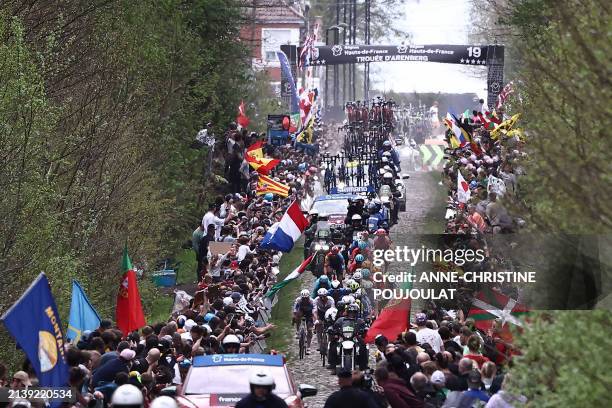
[{"x": 219, "y": 248}]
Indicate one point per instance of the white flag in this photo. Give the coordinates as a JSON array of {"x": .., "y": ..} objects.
[
  {"x": 496, "y": 185},
  {"x": 463, "y": 189}
]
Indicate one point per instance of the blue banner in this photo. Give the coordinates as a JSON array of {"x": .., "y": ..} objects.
[
  {"x": 82, "y": 314},
  {"x": 238, "y": 359},
  {"x": 35, "y": 324},
  {"x": 286, "y": 72}
]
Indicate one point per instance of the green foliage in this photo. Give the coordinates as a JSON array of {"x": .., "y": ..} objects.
[
  {"x": 562, "y": 63},
  {"x": 99, "y": 103},
  {"x": 565, "y": 362}
]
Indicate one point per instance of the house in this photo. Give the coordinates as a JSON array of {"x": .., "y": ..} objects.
[{"x": 270, "y": 24}]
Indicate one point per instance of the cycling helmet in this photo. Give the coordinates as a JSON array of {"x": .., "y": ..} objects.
[
  {"x": 323, "y": 278},
  {"x": 386, "y": 154},
  {"x": 164, "y": 402},
  {"x": 356, "y": 217},
  {"x": 231, "y": 339},
  {"x": 354, "y": 286},
  {"x": 387, "y": 143},
  {"x": 385, "y": 159},
  {"x": 359, "y": 258},
  {"x": 351, "y": 299},
  {"x": 322, "y": 292},
  {"x": 357, "y": 276},
  {"x": 365, "y": 273},
  {"x": 331, "y": 314},
  {"x": 335, "y": 284},
  {"x": 346, "y": 299},
  {"x": 304, "y": 293},
  {"x": 335, "y": 250},
  {"x": 362, "y": 244},
  {"x": 349, "y": 282},
  {"x": 127, "y": 395},
  {"x": 388, "y": 175},
  {"x": 381, "y": 231}
]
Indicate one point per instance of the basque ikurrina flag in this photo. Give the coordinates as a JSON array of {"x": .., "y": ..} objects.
[
  {"x": 489, "y": 305},
  {"x": 282, "y": 235}
]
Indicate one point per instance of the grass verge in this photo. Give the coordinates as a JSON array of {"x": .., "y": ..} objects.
[
  {"x": 434, "y": 220},
  {"x": 282, "y": 311}
]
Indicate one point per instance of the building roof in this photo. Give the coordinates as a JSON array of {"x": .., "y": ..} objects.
[{"x": 277, "y": 12}]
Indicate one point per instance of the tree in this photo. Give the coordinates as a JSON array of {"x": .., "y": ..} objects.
[{"x": 564, "y": 361}]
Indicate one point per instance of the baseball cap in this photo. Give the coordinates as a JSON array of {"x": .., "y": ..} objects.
[
  {"x": 128, "y": 354},
  {"x": 438, "y": 377},
  {"x": 420, "y": 318},
  {"x": 23, "y": 377},
  {"x": 189, "y": 324}
]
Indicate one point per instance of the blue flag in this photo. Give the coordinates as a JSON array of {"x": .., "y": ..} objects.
[
  {"x": 82, "y": 314},
  {"x": 286, "y": 72},
  {"x": 35, "y": 324}
]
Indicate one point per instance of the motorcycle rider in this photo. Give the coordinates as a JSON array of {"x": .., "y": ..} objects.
[
  {"x": 261, "y": 383},
  {"x": 356, "y": 226},
  {"x": 388, "y": 182},
  {"x": 323, "y": 303},
  {"x": 311, "y": 232},
  {"x": 304, "y": 307},
  {"x": 387, "y": 147},
  {"x": 351, "y": 318},
  {"x": 376, "y": 220}
]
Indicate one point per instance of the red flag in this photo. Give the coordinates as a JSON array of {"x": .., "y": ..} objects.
[
  {"x": 242, "y": 118},
  {"x": 392, "y": 321},
  {"x": 129, "y": 314}
]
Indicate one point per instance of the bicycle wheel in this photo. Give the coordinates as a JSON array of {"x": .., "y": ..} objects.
[
  {"x": 323, "y": 348},
  {"x": 302, "y": 342}
]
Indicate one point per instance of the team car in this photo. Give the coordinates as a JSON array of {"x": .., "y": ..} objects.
[{"x": 221, "y": 380}]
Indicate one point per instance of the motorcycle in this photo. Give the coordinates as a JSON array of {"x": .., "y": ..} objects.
[{"x": 347, "y": 347}]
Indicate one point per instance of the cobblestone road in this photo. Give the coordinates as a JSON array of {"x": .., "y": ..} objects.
[{"x": 421, "y": 199}]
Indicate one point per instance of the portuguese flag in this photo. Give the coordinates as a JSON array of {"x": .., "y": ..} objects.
[
  {"x": 393, "y": 319},
  {"x": 489, "y": 305},
  {"x": 129, "y": 315}
]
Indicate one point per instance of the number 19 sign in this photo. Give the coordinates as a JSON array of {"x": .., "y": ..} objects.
[{"x": 443, "y": 53}]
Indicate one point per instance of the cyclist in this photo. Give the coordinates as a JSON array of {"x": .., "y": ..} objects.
[
  {"x": 386, "y": 147},
  {"x": 357, "y": 263},
  {"x": 334, "y": 262},
  {"x": 322, "y": 282},
  {"x": 337, "y": 291},
  {"x": 323, "y": 303},
  {"x": 304, "y": 308}
]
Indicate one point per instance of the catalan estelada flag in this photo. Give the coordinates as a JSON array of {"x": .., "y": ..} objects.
[{"x": 266, "y": 185}]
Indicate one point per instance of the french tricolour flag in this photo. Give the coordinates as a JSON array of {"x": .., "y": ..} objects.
[{"x": 282, "y": 235}]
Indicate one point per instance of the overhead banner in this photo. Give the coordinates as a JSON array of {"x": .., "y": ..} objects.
[{"x": 444, "y": 53}]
